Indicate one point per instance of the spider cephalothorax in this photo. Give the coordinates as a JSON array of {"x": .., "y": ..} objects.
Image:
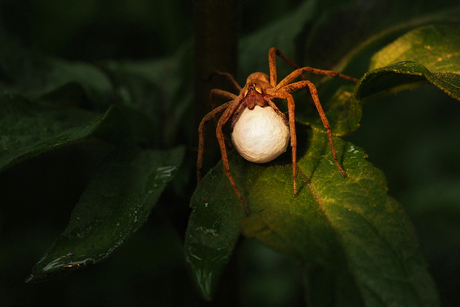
[{"x": 269, "y": 127}]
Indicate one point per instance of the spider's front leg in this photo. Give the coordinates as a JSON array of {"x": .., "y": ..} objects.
[
  {"x": 223, "y": 149},
  {"x": 229, "y": 77},
  {"x": 272, "y": 53},
  {"x": 228, "y": 109},
  {"x": 314, "y": 94},
  {"x": 211, "y": 115},
  {"x": 291, "y": 110}
]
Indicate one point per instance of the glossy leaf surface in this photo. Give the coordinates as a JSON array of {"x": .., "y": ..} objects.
[{"x": 116, "y": 202}]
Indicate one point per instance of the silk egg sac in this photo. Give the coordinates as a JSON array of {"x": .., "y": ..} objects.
[{"x": 260, "y": 135}]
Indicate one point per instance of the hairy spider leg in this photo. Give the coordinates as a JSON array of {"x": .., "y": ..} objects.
[
  {"x": 272, "y": 53},
  {"x": 286, "y": 85},
  {"x": 282, "y": 90},
  {"x": 223, "y": 149},
  {"x": 291, "y": 107},
  {"x": 222, "y": 93},
  {"x": 314, "y": 93},
  {"x": 230, "y": 78},
  {"x": 211, "y": 115},
  {"x": 228, "y": 109},
  {"x": 296, "y": 73}
]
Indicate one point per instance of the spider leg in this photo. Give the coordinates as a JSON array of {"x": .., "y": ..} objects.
[
  {"x": 291, "y": 110},
  {"x": 272, "y": 65},
  {"x": 229, "y": 78},
  {"x": 314, "y": 94},
  {"x": 211, "y": 115},
  {"x": 201, "y": 132},
  {"x": 220, "y": 93},
  {"x": 296, "y": 73},
  {"x": 237, "y": 114},
  {"x": 272, "y": 53},
  {"x": 220, "y": 137}
]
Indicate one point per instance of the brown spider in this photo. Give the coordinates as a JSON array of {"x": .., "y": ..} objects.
[{"x": 259, "y": 90}]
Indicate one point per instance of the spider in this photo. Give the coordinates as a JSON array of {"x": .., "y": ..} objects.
[{"x": 259, "y": 91}]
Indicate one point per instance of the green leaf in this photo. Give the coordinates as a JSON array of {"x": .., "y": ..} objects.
[
  {"x": 354, "y": 241},
  {"x": 429, "y": 53},
  {"x": 347, "y": 232},
  {"x": 29, "y": 129},
  {"x": 212, "y": 231},
  {"x": 434, "y": 46},
  {"x": 116, "y": 202}
]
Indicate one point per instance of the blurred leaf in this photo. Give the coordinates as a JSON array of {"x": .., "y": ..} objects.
[
  {"x": 160, "y": 89},
  {"x": 355, "y": 241},
  {"x": 270, "y": 278},
  {"x": 33, "y": 76},
  {"x": 116, "y": 202},
  {"x": 282, "y": 34},
  {"x": 29, "y": 129},
  {"x": 428, "y": 53},
  {"x": 359, "y": 29},
  {"x": 94, "y": 82}
]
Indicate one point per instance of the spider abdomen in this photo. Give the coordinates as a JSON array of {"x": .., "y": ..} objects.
[{"x": 260, "y": 135}]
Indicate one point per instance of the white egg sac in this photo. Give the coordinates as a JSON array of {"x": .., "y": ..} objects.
[{"x": 260, "y": 135}]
